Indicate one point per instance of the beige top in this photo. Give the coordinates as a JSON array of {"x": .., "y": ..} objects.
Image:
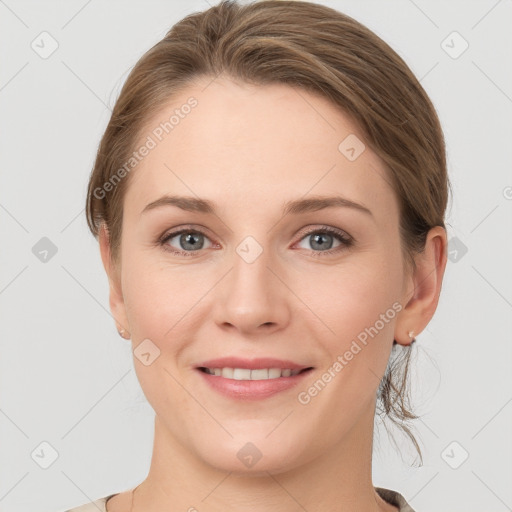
[{"x": 392, "y": 497}]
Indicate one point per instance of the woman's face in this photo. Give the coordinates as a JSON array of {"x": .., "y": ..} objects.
[{"x": 319, "y": 287}]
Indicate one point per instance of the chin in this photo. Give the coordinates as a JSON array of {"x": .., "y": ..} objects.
[{"x": 255, "y": 458}]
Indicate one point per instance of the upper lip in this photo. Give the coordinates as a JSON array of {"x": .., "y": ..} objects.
[{"x": 252, "y": 364}]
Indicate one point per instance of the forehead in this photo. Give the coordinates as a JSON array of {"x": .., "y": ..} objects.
[{"x": 221, "y": 139}]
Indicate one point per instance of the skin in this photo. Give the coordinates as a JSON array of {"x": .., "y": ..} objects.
[{"x": 249, "y": 149}]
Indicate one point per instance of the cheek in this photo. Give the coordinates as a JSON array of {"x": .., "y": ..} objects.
[
  {"x": 158, "y": 304},
  {"x": 359, "y": 303},
  {"x": 155, "y": 301},
  {"x": 352, "y": 296},
  {"x": 155, "y": 292},
  {"x": 150, "y": 296}
]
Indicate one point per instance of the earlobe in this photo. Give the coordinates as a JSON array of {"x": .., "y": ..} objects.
[
  {"x": 116, "y": 300},
  {"x": 425, "y": 287}
]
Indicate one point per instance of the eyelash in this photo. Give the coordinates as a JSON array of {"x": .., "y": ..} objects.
[{"x": 346, "y": 241}]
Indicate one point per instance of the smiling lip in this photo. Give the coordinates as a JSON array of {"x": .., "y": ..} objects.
[
  {"x": 251, "y": 364},
  {"x": 251, "y": 389}
]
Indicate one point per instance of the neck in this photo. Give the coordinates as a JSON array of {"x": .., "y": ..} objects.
[{"x": 338, "y": 479}]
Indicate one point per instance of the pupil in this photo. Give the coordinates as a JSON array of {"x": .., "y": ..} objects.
[
  {"x": 189, "y": 239},
  {"x": 319, "y": 237}
]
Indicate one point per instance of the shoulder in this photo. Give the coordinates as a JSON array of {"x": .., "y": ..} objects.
[
  {"x": 394, "y": 498},
  {"x": 94, "y": 506}
]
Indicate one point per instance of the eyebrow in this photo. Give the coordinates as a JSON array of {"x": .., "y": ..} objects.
[{"x": 294, "y": 207}]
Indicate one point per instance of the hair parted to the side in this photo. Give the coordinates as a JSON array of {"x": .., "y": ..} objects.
[{"x": 322, "y": 51}]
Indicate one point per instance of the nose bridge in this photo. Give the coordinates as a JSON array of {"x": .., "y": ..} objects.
[{"x": 251, "y": 294}]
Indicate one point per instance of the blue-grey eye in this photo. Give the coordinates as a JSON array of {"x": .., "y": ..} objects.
[{"x": 188, "y": 240}]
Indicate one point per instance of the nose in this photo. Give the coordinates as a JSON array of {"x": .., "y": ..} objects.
[{"x": 252, "y": 298}]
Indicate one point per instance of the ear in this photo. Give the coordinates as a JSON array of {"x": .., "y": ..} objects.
[
  {"x": 423, "y": 288},
  {"x": 116, "y": 300}
]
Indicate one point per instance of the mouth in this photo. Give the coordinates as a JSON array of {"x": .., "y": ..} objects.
[
  {"x": 243, "y": 379},
  {"x": 254, "y": 374}
]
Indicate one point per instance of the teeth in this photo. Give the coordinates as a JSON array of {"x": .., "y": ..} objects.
[
  {"x": 246, "y": 374},
  {"x": 274, "y": 373},
  {"x": 227, "y": 373},
  {"x": 240, "y": 374},
  {"x": 256, "y": 374}
]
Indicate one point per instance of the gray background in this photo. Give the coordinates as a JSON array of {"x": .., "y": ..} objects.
[{"x": 67, "y": 378}]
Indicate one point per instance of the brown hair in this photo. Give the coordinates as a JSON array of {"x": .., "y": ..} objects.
[{"x": 320, "y": 50}]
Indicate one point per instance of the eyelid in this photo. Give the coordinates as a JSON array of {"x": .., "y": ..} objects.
[{"x": 328, "y": 229}]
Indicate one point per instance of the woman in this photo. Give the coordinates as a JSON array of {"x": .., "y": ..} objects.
[{"x": 269, "y": 198}]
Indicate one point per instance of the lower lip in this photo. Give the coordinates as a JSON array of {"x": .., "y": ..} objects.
[{"x": 252, "y": 389}]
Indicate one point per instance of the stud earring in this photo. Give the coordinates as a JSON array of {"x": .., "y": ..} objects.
[
  {"x": 411, "y": 335},
  {"x": 123, "y": 334}
]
